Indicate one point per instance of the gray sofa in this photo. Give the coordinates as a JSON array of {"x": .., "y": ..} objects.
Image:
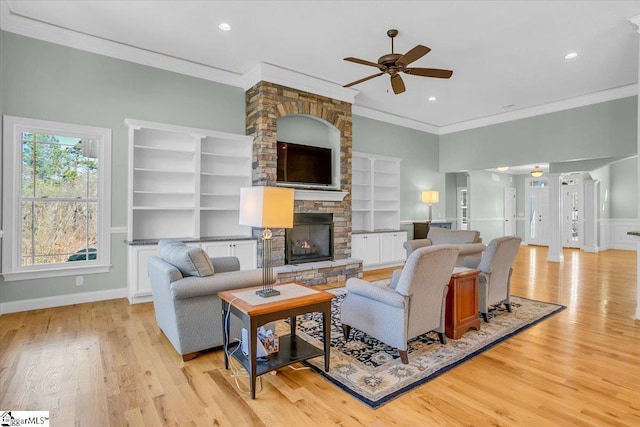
[
  {"x": 184, "y": 284},
  {"x": 468, "y": 241}
]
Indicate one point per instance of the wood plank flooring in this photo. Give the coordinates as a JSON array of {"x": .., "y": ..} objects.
[{"x": 107, "y": 364}]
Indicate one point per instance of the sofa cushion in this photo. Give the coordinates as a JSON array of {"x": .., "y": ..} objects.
[
  {"x": 189, "y": 260},
  {"x": 443, "y": 236}
]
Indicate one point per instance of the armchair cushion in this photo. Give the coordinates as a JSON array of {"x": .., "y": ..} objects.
[
  {"x": 189, "y": 260},
  {"x": 382, "y": 294},
  {"x": 443, "y": 236}
]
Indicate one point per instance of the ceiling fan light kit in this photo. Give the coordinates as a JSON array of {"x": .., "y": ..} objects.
[{"x": 396, "y": 63}]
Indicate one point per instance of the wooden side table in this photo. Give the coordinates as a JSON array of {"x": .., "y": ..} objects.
[
  {"x": 462, "y": 303},
  {"x": 254, "y": 311}
]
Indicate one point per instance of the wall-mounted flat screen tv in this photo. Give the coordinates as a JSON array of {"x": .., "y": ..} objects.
[{"x": 304, "y": 164}]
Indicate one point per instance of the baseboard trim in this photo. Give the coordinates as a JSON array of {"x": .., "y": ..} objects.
[{"x": 61, "y": 300}]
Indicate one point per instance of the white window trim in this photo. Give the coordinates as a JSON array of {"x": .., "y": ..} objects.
[{"x": 12, "y": 159}]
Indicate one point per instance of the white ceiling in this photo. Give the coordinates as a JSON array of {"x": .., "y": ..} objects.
[{"x": 507, "y": 56}]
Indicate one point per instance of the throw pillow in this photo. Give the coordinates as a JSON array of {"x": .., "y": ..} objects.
[{"x": 189, "y": 260}]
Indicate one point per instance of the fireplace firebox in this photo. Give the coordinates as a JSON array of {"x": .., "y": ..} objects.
[{"x": 310, "y": 239}]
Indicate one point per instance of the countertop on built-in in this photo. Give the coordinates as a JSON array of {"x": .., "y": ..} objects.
[{"x": 142, "y": 242}]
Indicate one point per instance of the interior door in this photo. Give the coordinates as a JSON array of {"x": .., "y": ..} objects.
[
  {"x": 572, "y": 216},
  {"x": 509, "y": 211},
  {"x": 538, "y": 216}
]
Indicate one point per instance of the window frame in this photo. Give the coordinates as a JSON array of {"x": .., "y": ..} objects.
[{"x": 12, "y": 197}]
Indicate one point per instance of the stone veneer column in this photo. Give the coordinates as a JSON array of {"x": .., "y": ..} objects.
[{"x": 265, "y": 103}]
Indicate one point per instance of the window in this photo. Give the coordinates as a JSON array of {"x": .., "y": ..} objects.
[{"x": 56, "y": 210}]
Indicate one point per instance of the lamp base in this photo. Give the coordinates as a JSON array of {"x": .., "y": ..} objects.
[{"x": 266, "y": 293}]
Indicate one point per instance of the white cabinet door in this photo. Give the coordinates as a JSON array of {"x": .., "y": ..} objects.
[
  {"x": 391, "y": 249},
  {"x": 366, "y": 248},
  {"x": 245, "y": 250},
  {"x": 139, "y": 283},
  {"x": 217, "y": 249},
  {"x": 247, "y": 253}
]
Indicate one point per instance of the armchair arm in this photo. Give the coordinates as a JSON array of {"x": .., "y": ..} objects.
[
  {"x": 381, "y": 294},
  {"x": 472, "y": 261},
  {"x": 412, "y": 245},
  {"x": 395, "y": 277}
]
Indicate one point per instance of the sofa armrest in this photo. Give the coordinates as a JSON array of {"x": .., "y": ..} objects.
[
  {"x": 225, "y": 264},
  {"x": 412, "y": 245},
  {"x": 192, "y": 286},
  {"x": 381, "y": 294}
]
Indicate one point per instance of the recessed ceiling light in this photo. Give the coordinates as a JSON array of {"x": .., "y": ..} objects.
[
  {"x": 224, "y": 26},
  {"x": 570, "y": 55},
  {"x": 432, "y": 98}
]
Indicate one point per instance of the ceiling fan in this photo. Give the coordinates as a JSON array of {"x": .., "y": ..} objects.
[{"x": 395, "y": 63}]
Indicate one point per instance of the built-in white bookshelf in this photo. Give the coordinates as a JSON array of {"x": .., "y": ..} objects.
[
  {"x": 375, "y": 192},
  {"x": 185, "y": 182}
]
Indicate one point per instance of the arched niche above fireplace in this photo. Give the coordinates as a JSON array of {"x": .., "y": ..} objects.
[{"x": 313, "y": 131}]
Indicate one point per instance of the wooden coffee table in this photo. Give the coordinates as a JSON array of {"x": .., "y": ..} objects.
[
  {"x": 254, "y": 311},
  {"x": 462, "y": 303}
]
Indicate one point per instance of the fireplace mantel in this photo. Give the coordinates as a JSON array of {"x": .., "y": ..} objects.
[{"x": 320, "y": 195}]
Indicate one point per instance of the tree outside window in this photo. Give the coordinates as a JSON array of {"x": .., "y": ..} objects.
[{"x": 59, "y": 199}]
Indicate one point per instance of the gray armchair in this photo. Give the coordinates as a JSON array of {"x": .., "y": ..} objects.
[
  {"x": 411, "y": 305},
  {"x": 495, "y": 265}
]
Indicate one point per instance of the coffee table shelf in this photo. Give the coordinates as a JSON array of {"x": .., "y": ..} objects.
[{"x": 292, "y": 349}]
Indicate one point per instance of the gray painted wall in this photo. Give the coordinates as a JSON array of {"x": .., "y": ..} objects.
[
  {"x": 624, "y": 196},
  {"x": 486, "y": 192},
  {"x": 51, "y": 82},
  {"x": 601, "y": 130},
  {"x": 419, "y": 167}
]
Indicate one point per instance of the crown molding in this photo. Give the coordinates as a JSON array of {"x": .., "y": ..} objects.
[
  {"x": 370, "y": 113},
  {"x": 25, "y": 26},
  {"x": 566, "y": 104},
  {"x": 264, "y": 71}
]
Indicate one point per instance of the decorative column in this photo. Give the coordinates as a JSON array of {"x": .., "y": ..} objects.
[
  {"x": 636, "y": 21},
  {"x": 555, "y": 218}
]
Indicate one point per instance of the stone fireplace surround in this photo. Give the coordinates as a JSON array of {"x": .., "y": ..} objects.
[{"x": 265, "y": 103}]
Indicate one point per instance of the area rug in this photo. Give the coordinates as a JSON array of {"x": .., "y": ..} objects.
[{"x": 372, "y": 371}]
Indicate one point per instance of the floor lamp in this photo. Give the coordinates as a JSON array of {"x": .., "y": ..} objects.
[
  {"x": 430, "y": 197},
  {"x": 266, "y": 208}
]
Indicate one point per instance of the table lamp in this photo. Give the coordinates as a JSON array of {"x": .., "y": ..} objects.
[
  {"x": 266, "y": 207},
  {"x": 430, "y": 197}
]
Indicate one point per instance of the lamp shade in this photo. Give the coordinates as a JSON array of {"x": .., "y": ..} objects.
[
  {"x": 430, "y": 196},
  {"x": 266, "y": 207}
]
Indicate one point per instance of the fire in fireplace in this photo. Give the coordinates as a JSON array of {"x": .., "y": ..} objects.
[{"x": 310, "y": 239}]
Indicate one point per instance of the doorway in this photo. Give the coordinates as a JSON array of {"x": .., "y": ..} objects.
[
  {"x": 509, "y": 211},
  {"x": 537, "y": 210},
  {"x": 572, "y": 213}
]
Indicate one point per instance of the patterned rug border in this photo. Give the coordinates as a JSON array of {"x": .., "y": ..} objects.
[{"x": 374, "y": 404}]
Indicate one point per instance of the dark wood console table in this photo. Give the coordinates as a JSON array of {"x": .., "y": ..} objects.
[{"x": 421, "y": 229}]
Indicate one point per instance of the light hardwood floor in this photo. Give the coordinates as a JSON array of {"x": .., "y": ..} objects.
[{"x": 107, "y": 364}]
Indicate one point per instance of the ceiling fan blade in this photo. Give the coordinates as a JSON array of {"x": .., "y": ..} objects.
[
  {"x": 362, "y": 80},
  {"x": 365, "y": 62},
  {"x": 397, "y": 84},
  {"x": 413, "y": 55},
  {"x": 429, "y": 72}
]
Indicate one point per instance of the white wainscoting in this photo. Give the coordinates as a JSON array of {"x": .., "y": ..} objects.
[{"x": 613, "y": 233}]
